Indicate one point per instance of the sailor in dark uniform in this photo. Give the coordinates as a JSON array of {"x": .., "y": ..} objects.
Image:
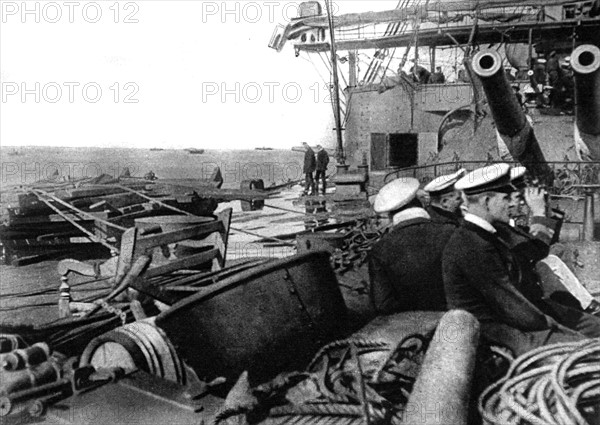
[
  {"x": 481, "y": 275},
  {"x": 310, "y": 164},
  {"x": 405, "y": 266},
  {"x": 445, "y": 201}
]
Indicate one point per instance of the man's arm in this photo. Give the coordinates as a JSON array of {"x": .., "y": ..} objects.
[
  {"x": 383, "y": 294},
  {"x": 542, "y": 227},
  {"x": 488, "y": 272}
]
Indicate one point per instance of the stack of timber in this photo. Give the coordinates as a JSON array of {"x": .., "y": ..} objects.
[{"x": 52, "y": 217}]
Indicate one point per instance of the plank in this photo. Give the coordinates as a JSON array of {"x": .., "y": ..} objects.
[
  {"x": 145, "y": 243},
  {"x": 184, "y": 263}
]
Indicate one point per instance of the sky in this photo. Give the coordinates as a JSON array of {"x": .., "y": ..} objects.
[{"x": 157, "y": 73}]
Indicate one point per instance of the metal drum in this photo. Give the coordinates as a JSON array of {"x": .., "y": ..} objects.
[
  {"x": 266, "y": 320},
  {"x": 138, "y": 345}
]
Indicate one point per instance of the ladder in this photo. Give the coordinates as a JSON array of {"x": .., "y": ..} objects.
[{"x": 380, "y": 56}]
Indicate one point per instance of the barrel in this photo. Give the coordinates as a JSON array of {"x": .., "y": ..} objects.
[
  {"x": 320, "y": 241},
  {"x": 138, "y": 345},
  {"x": 266, "y": 320}
]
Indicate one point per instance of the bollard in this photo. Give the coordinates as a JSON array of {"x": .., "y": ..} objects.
[
  {"x": 64, "y": 298},
  {"x": 441, "y": 393},
  {"x": 588, "y": 212}
]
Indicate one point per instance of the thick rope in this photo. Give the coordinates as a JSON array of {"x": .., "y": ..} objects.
[
  {"x": 546, "y": 386},
  {"x": 343, "y": 343}
]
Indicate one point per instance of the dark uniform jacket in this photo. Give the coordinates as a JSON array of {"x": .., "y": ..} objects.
[
  {"x": 309, "y": 161},
  {"x": 405, "y": 267},
  {"x": 482, "y": 276},
  {"x": 322, "y": 160},
  {"x": 442, "y": 216},
  {"x": 529, "y": 247}
]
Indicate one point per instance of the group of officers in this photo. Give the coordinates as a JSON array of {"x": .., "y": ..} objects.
[{"x": 463, "y": 251}]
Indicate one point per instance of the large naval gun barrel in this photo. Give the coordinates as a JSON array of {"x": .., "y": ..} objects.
[
  {"x": 514, "y": 130},
  {"x": 585, "y": 61}
]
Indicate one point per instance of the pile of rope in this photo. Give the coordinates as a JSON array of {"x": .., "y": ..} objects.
[
  {"x": 348, "y": 381},
  {"x": 553, "y": 385},
  {"x": 357, "y": 244}
]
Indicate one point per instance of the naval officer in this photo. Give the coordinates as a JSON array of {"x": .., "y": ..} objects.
[
  {"x": 481, "y": 275},
  {"x": 405, "y": 265},
  {"x": 445, "y": 200}
]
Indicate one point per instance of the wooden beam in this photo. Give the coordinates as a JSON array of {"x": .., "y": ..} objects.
[
  {"x": 145, "y": 243},
  {"x": 183, "y": 263}
]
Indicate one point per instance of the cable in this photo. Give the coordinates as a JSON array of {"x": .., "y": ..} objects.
[{"x": 546, "y": 386}]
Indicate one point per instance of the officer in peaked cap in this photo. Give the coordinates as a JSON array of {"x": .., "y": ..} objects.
[
  {"x": 396, "y": 195},
  {"x": 492, "y": 178},
  {"x": 405, "y": 267},
  {"x": 445, "y": 200},
  {"x": 481, "y": 275}
]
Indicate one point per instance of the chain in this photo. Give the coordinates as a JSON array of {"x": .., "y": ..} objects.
[
  {"x": 357, "y": 244},
  {"x": 114, "y": 310}
]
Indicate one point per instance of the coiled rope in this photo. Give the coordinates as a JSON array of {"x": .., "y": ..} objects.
[{"x": 551, "y": 385}]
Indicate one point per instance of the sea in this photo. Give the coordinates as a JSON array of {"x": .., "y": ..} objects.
[{"x": 26, "y": 165}]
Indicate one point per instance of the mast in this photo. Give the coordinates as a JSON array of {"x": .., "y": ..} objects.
[{"x": 339, "y": 151}]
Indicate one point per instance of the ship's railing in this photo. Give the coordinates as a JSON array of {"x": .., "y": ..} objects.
[{"x": 568, "y": 175}]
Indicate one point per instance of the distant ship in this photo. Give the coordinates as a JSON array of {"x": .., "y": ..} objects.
[
  {"x": 263, "y": 149},
  {"x": 156, "y": 149},
  {"x": 195, "y": 151}
]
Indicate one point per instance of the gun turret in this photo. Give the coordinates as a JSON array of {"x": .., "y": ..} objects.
[
  {"x": 585, "y": 61},
  {"x": 511, "y": 123}
]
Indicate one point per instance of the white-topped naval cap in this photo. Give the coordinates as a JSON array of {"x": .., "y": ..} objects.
[
  {"x": 517, "y": 172},
  {"x": 493, "y": 178},
  {"x": 396, "y": 194},
  {"x": 517, "y": 176},
  {"x": 444, "y": 184}
]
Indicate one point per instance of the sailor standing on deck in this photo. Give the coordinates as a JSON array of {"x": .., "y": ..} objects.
[
  {"x": 322, "y": 163},
  {"x": 308, "y": 170},
  {"x": 445, "y": 199},
  {"x": 481, "y": 275},
  {"x": 405, "y": 265}
]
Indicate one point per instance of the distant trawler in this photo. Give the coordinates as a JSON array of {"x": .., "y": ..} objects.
[
  {"x": 195, "y": 151},
  {"x": 263, "y": 149}
]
